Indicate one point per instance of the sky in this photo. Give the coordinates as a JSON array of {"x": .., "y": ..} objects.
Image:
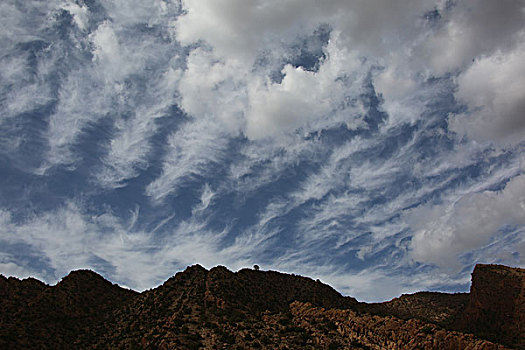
[{"x": 376, "y": 145}]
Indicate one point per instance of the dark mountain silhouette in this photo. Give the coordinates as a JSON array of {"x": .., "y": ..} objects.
[
  {"x": 35, "y": 315},
  {"x": 249, "y": 309}
]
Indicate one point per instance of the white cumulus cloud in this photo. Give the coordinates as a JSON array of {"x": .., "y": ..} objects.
[
  {"x": 444, "y": 232},
  {"x": 494, "y": 89}
]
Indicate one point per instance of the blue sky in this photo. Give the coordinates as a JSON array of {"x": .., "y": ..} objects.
[{"x": 376, "y": 145}]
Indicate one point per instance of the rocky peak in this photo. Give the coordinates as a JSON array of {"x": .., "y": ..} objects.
[{"x": 80, "y": 278}]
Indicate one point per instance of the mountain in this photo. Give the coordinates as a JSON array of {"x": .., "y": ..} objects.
[
  {"x": 35, "y": 315},
  {"x": 250, "y": 309}
]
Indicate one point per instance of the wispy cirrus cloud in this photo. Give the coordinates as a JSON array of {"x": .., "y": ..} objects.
[
  {"x": 191, "y": 151},
  {"x": 107, "y": 80}
]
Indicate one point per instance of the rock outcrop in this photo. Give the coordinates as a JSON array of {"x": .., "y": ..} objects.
[{"x": 496, "y": 307}]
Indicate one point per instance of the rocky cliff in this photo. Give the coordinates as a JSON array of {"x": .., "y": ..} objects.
[{"x": 496, "y": 307}]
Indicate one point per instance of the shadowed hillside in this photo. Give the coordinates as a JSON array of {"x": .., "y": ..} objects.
[{"x": 220, "y": 309}]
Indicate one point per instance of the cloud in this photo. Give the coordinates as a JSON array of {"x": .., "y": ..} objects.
[
  {"x": 130, "y": 148},
  {"x": 107, "y": 53},
  {"x": 191, "y": 151},
  {"x": 78, "y": 106},
  {"x": 494, "y": 89},
  {"x": 26, "y": 68},
  {"x": 470, "y": 30},
  {"x": 10, "y": 267},
  {"x": 265, "y": 161},
  {"x": 79, "y": 12},
  {"x": 60, "y": 235},
  {"x": 304, "y": 96},
  {"x": 205, "y": 200},
  {"x": 363, "y": 285},
  {"x": 479, "y": 44},
  {"x": 443, "y": 232},
  {"x": 71, "y": 238},
  {"x": 213, "y": 88},
  {"x": 248, "y": 101},
  {"x": 234, "y": 87},
  {"x": 151, "y": 13},
  {"x": 286, "y": 105},
  {"x": 394, "y": 85},
  {"x": 243, "y": 29},
  {"x": 410, "y": 47},
  {"x": 406, "y": 43},
  {"x": 24, "y": 88},
  {"x": 84, "y": 75}
]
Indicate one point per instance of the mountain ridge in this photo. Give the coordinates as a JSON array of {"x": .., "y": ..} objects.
[{"x": 218, "y": 308}]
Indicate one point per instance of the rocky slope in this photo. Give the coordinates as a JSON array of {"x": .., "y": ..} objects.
[
  {"x": 440, "y": 308},
  {"x": 220, "y": 309}
]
